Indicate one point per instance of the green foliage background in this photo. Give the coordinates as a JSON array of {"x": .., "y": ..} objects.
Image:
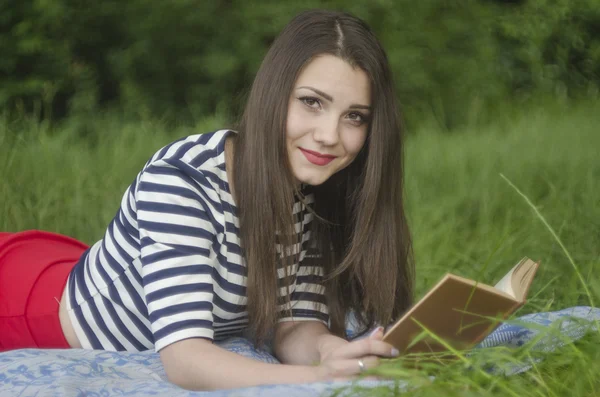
[
  {"x": 516, "y": 81},
  {"x": 454, "y": 61}
]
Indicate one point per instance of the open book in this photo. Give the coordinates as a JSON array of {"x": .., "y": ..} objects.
[{"x": 461, "y": 312}]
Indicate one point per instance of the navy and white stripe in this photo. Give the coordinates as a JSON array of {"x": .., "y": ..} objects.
[{"x": 169, "y": 266}]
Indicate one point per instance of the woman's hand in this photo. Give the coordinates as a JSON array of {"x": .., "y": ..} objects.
[{"x": 350, "y": 359}]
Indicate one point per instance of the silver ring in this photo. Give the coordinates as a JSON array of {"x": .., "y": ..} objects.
[{"x": 362, "y": 366}]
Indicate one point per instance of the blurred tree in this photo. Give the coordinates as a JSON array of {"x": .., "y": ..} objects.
[
  {"x": 34, "y": 57},
  {"x": 184, "y": 59},
  {"x": 550, "y": 45}
]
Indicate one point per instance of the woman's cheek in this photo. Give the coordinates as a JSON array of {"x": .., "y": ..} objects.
[
  {"x": 296, "y": 123},
  {"x": 354, "y": 142}
]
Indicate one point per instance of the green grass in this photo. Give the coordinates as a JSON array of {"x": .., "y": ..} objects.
[
  {"x": 464, "y": 214},
  {"x": 478, "y": 200}
]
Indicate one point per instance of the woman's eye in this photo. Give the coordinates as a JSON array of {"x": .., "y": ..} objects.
[
  {"x": 357, "y": 118},
  {"x": 311, "y": 102}
]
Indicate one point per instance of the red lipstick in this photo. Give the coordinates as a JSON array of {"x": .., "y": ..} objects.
[{"x": 317, "y": 158}]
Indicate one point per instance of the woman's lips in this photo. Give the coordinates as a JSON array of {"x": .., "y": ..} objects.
[{"x": 317, "y": 158}]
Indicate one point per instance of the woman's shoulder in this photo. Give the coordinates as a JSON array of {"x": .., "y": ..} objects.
[
  {"x": 192, "y": 167},
  {"x": 201, "y": 151}
]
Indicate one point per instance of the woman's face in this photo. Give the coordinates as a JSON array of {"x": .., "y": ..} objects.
[{"x": 328, "y": 118}]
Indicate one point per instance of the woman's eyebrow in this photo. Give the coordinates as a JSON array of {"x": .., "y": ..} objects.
[
  {"x": 330, "y": 98},
  {"x": 324, "y": 95},
  {"x": 357, "y": 106}
]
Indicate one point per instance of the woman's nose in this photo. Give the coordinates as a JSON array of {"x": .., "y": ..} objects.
[{"x": 327, "y": 132}]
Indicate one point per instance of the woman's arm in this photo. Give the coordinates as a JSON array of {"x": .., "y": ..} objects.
[
  {"x": 310, "y": 342},
  {"x": 304, "y": 343},
  {"x": 197, "y": 364}
]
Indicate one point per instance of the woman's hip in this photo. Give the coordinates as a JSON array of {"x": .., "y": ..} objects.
[{"x": 34, "y": 266}]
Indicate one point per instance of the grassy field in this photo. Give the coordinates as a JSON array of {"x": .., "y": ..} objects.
[{"x": 478, "y": 200}]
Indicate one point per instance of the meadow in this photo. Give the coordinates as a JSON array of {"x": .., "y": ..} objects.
[{"x": 479, "y": 198}]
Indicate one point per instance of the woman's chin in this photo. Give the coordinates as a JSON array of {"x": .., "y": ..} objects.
[{"x": 313, "y": 179}]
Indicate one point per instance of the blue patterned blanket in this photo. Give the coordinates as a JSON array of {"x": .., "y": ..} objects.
[{"x": 77, "y": 372}]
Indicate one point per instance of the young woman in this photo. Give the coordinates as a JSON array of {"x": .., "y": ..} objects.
[{"x": 278, "y": 229}]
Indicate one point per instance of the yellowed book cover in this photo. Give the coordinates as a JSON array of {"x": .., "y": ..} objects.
[{"x": 461, "y": 312}]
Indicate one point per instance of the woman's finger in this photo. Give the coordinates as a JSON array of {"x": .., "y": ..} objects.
[
  {"x": 366, "y": 347},
  {"x": 377, "y": 333},
  {"x": 356, "y": 367}
]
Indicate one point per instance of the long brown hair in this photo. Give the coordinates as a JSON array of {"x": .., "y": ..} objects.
[{"x": 363, "y": 234}]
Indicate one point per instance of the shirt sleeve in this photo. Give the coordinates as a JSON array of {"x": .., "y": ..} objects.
[
  {"x": 176, "y": 239},
  {"x": 308, "y": 301}
]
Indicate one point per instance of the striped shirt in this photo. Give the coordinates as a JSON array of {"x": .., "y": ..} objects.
[{"x": 170, "y": 267}]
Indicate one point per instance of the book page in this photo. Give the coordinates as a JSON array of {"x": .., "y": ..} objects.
[
  {"x": 522, "y": 278},
  {"x": 505, "y": 284},
  {"x": 517, "y": 281}
]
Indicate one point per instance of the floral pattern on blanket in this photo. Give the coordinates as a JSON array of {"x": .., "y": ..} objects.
[{"x": 77, "y": 372}]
